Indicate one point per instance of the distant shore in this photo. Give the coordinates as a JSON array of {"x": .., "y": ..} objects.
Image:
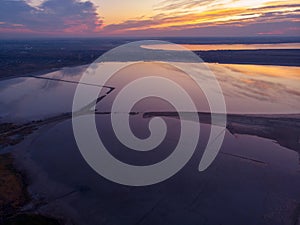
[
  {"x": 254, "y": 57},
  {"x": 26, "y": 57}
]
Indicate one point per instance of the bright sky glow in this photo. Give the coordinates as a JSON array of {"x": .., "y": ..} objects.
[{"x": 151, "y": 17}]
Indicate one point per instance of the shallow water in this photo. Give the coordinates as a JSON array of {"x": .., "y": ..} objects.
[
  {"x": 247, "y": 89},
  {"x": 254, "y": 179},
  {"x": 217, "y": 47},
  {"x": 251, "y": 178}
]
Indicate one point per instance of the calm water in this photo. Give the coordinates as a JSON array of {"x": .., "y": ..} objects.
[
  {"x": 216, "y": 47},
  {"x": 254, "y": 180},
  {"x": 247, "y": 89}
]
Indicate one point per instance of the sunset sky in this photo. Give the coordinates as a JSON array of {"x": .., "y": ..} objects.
[{"x": 98, "y": 18}]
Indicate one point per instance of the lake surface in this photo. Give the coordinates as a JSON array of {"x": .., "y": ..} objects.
[
  {"x": 255, "y": 179},
  {"x": 247, "y": 89},
  {"x": 217, "y": 47}
]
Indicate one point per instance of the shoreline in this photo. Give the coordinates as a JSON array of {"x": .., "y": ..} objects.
[
  {"x": 279, "y": 128},
  {"x": 43, "y": 72},
  {"x": 14, "y": 196},
  {"x": 281, "y": 57}
]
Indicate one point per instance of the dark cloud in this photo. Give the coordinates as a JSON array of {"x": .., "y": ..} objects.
[{"x": 52, "y": 16}]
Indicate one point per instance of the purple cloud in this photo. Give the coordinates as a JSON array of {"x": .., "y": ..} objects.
[{"x": 52, "y": 16}]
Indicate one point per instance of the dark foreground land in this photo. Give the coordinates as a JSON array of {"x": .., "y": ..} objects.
[{"x": 21, "y": 57}]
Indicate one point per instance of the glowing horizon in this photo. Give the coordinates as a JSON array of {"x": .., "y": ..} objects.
[{"x": 150, "y": 18}]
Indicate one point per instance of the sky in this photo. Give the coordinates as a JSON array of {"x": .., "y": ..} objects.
[{"x": 103, "y": 18}]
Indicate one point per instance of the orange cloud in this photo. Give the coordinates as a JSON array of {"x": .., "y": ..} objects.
[{"x": 183, "y": 15}]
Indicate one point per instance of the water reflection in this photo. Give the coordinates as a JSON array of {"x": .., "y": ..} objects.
[
  {"x": 216, "y": 47},
  {"x": 27, "y": 99},
  {"x": 251, "y": 178},
  {"x": 259, "y": 89},
  {"x": 247, "y": 89},
  {"x": 283, "y": 129}
]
